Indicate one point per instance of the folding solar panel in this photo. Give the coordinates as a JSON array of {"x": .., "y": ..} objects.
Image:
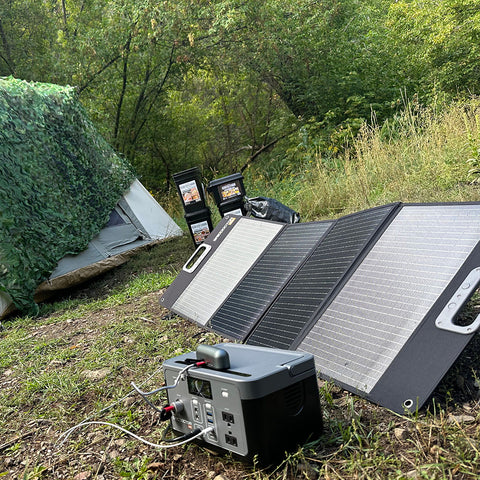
[
  {"x": 225, "y": 257},
  {"x": 390, "y": 334},
  {"x": 372, "y": 295}
]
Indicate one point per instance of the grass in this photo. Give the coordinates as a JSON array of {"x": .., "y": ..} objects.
[
  {"x": 80, "y": 355},
  {"x": 423, "y": 155}
]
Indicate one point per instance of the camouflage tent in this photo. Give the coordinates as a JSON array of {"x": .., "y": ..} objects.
[{"x": 63, "y": 191}]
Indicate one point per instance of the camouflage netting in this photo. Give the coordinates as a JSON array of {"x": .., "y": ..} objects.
[{"x": 59, "y": 180}]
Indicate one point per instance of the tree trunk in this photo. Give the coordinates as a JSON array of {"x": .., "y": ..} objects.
[
  {"x": 126, "y": 54},
  {"x": 7, "y": 58}
]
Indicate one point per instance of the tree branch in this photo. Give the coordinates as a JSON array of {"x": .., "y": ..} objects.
[
  {"x": 64, "y": 15},
  {"x": 97, "y": 73},
  {"x": 7, "y": 58},
  {"x": 156, "y": 92},
  {"x": 264, "y": 148},
  {"x": 122, "y": 93}
]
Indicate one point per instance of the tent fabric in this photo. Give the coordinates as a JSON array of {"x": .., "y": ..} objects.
[
  {"x": 106, "y": 250},
  {"x": 109, "y": 242},
  {"x": 124, "y": 231}
]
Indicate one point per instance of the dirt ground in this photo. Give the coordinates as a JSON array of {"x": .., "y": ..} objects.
[{"x": 38, "y": 457}]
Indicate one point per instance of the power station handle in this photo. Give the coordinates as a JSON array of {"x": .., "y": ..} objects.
[
  {"x": 445, "y": 320},
  {"x": 214, "y": 357},
  {"x": 198, "y": 255}
]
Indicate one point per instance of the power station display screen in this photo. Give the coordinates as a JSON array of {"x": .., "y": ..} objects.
[{"x": 201, "y": 388}]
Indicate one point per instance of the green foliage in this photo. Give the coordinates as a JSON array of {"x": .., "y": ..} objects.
[
  {"x": 325, "y": 59},
  {"x": 473, "y": 135},
  {"x": 171, "y": 85},
  {"x": 424, "y": 155},
  {"x": 136, "y": 470},
  {"x": 439, "y": 41},
  {"x": 220, "y": 84},
  {"x": 59, "y": 181},
  {"x": 218, "y": 121},
  {"x": 27, "y": 29}
]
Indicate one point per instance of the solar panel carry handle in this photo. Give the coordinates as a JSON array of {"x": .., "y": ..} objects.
[
  {"x": 445, "y": 319},
  {"x": 198, "y": 255}
]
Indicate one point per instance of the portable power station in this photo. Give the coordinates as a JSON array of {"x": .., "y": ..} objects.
[{"x": 261, "y": 402}]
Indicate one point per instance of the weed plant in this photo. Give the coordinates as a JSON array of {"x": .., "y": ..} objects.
[{"x": 422, "y": 155}]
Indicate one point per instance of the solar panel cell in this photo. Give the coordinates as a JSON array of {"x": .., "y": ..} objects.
[
  {"x": 255, "y": 292},
  {"x": 371, "y": 319}
]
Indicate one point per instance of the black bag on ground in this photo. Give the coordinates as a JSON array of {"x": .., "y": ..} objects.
[{"x": 270, "y": 209}]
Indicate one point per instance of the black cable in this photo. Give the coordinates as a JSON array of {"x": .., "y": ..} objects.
[
  {"x": 164, "y": 434},
  {"x": 193, "y": 433},
  {"x": 160, "y": 411}
]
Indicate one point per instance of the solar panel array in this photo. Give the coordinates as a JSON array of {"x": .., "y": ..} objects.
[{"x": 360, "y": 293}]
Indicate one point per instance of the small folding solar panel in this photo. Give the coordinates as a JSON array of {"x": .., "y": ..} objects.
[{"x": 390, "y": 333}]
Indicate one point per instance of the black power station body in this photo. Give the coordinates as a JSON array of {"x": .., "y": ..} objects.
[{"x": 260, "y": 401}]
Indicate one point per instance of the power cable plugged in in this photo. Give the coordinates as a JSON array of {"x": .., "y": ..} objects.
[
  {"x": 233, "y": 392},
  {"x": 218, "y": 396},
  {"x": 165, "y": 414},
  {"x": 180, "y": 440}
]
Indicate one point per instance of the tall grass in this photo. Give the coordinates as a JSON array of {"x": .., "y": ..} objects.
[{"x": 423, "y": 155}]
